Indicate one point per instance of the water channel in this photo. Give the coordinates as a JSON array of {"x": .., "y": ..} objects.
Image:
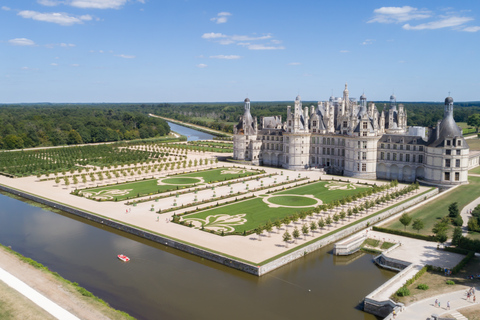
[
  {"x": 191, "y": 134},
  {"x": 164, "y": 283}
]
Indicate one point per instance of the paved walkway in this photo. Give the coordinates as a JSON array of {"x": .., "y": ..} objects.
[
  {"x": 425, "y": 308},
  {"x": 417, "y": 252},
  {"x": 39, "y": 299}
]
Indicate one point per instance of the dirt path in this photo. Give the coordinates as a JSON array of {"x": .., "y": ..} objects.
[{"x": 15, "y": 306}]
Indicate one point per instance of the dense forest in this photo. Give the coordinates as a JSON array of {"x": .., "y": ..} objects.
[
  {"x": 25, "y": 126},
  {"x": 32, "y": 125},
  {"x": 222, "y": 116}
]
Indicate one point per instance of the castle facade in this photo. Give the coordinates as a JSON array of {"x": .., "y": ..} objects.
[{"x": 353, "y": 139}]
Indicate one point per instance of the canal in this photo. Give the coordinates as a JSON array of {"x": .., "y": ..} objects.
[
  {"x": 191, "y": 134},
  {"x": 163, "y": 283}
]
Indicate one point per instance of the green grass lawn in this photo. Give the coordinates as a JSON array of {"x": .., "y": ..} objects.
[
  {"x": 474, "y": 144},
  {"x": 435, "y": 210},
  {"x": 298, "y": 201},
  {"x": 475, "y": 170},
  {"x": 256, "y": 212},
  {"x": 131, "y": 190}
]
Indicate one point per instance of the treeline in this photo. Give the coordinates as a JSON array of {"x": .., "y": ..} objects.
[
  {"x": 425, "y": 114},
  {"x": 26, "y": 126}
]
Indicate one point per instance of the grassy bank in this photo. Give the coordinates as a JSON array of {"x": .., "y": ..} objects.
[
  {"x": 432, "y": 212},
  {"x": 73, "y": 287}
]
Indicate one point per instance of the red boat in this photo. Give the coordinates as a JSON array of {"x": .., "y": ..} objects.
[{"x": 123, "y": 257}]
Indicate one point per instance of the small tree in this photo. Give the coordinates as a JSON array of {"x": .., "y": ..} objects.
[
  {"x": 328, "y": 220},
  {"x": 453, "y": 210},
  {"x": 321, "y": 223},
  {"x": 286, "y": 238},
  {"x": 305, "y": 231},
  {"x": 405, "y": 219},
  {"x": 441, "y": 236},
  {"x": 277, "y": 224},
  {"x": 343, "y": 215},
  {"x": 336, "y": 217},
  {"x": 418, "y": 225},
  {"x": 313, "y": 226},
  {"x": 268, "y": 227},
  {"x": 258, "y": 232},
  {"x": 296, "y": 234},
  {"x": 457, "y": 235}
]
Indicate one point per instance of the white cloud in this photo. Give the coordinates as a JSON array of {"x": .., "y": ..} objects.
[
  {"x": 65, "y": 45},
  {"x": 472, "y": 29},
  {"x": 125, "y": 56},
  {"x": 88, "y": 4},
  {"x": 243, "y": 40},
  {"x": 49, "y": 3},
  {"x": 367, "y": 41},
  {"x": 213, "y": 35},
  {"x": 264, "y": 47},
  {"x": 21, "y": 42},
  {"x": 54, "y": 64},
  {"x": 228, "y": 57},
  {"x": 221, "y": 17},
  {"x": 294, "y": 64},
  {"x": 75, "y": 65},
  {"x": 444, "y": 23},
  {"x": 398, "y": 14},
  {"x": 201, "y": 65},
  {"x": 344, "y": 51},
  {"x": 5, "y": 8},
  {"x": 60, "y": 18}
]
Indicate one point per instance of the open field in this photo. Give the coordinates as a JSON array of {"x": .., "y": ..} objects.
[
  {"x": 432, "y": 212},
  {"x": 250, "y": 214},
  {"x": 131, "y": 190}
]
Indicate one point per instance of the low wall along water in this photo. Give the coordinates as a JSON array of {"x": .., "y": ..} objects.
[{"x": 216, "y": 257}]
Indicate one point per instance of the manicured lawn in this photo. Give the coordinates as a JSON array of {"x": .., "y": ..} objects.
[
  {"x": 181, "y": 180},
  {"x": 435, "y": 210},
  {"x": 297, "y": 201},
  {"x": 320, "y": 191},
  {"x": 131, "y": 190},
  {"x": 256, "y": 212},
  {"x": 475, "y": 170},
  {"x": 474, "y": 144}
]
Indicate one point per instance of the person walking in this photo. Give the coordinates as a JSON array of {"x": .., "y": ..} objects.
[
  {"x": 436, "y": 303},
  {"x": 448, "y": 305},
  {"x": 474, "y": 299}
]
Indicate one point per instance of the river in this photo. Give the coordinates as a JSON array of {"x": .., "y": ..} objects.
[{"x": 163, "y": 283}]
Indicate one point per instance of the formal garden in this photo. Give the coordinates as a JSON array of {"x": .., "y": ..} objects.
[
  {"x": 319, "y": 205},
  {"x": 145, "y": 187}
]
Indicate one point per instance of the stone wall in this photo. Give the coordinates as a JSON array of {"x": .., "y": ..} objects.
[{"x": 349, "y": 245}]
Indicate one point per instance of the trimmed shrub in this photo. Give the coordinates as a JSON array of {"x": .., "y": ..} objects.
[
  {"x": 403, "y": 292},
  {"x": 450, "y": 282},
  {"x": 422, "y": 286},
  {"x": 405, "y": 234}
]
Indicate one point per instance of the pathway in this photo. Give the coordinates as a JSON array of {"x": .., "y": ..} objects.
[
  {"x": 425, "y": 308},
  {"x": 39, "y": 299}
]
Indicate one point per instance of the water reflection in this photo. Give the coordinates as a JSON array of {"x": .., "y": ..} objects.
[{"x": 164, "y": 283}]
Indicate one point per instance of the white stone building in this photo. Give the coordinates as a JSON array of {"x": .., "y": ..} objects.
[{"x": 355, "y": 140}]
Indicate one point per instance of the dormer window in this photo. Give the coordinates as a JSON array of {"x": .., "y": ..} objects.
[
  {"x": 365, "y": 125},
  {"x": 448, "y": 142},
  {"x": 314, "y": 123},
  {"x": 459, "y": 143}
]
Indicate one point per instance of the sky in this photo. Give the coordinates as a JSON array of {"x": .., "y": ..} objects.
[{"x": 217, "y": 51}]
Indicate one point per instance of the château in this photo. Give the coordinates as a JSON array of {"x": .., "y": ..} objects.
[{"x": 344, "y": 137}]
